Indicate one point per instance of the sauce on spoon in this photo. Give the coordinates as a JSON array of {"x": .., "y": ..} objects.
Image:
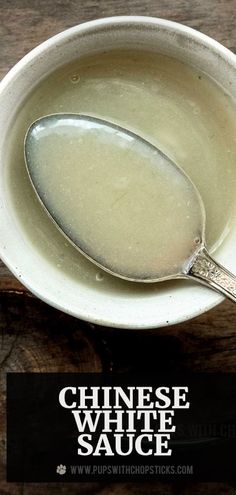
[{"x": 115, "y": 196}]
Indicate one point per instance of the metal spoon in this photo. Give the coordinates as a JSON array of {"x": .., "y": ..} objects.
[{"x": 198, "y": 265}]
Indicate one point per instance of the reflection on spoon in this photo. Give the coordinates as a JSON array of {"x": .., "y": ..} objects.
[{"x": 120, "y": 201}]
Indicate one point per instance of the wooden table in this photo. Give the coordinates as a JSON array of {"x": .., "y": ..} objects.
[{"x": 35, "y": 337}]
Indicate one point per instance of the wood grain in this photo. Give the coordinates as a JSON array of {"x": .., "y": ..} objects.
[{"x": 35, "y": 337}]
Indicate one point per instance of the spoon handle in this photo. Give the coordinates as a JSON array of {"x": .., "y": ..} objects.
[{"x": 208, "y": 272}]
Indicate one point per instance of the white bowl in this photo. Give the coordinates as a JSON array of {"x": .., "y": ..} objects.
[{"x": 137, "y": 310}]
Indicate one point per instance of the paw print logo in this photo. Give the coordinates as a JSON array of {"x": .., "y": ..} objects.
[{"x": 61, "y": 469}]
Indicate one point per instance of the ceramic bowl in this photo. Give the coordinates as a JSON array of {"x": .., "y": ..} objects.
[{"x": 135, "y": 309}]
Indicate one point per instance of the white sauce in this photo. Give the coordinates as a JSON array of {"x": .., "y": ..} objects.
[
  {"x": 174, "y": 106},
  {"x": 115, "y": 196}
]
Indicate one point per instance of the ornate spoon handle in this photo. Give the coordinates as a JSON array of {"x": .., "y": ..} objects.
[{"x": 209, "y": 272}]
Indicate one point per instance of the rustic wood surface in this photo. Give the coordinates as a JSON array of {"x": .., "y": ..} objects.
[{"x": 35, "y": 337}]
